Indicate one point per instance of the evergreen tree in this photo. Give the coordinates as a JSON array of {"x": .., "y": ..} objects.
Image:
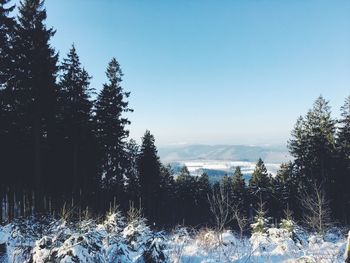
[
  {"x": 260, "y": 184},
  {"x": 286, "y": 189},
  {"x": 166, "y": 195},
  {"x": 75, "y": 126},
  {"x": 7, "y": 24},
  {"x": 313, "y": 148},
  {"x": 185, "y": 192},
  {"x": 313, "y": 141},
  {"x": 203, "y": 190},
  {"x": 343, "y": 134},
  {"x": 111, "y": 129},
  {"x": 149, "y": 168},
  {"x": 132, "y": 176},
  {"x": 33, "y": 83},
  {"x": 342, "y": 180},
  {"x": 260, "y": 178},
  {"x": 239, "y": 189},
  {"x": 227, "y": 186}
]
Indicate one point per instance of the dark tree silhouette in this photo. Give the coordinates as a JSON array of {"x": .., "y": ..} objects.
[
  {"x": 149, "y": 171},
  {"x": 111, "y": 131}
]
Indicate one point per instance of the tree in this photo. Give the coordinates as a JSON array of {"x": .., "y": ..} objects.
[
  {"x": 149, "y": 171},
  {"x": 286, "y": 188},
  {"x": 166, "y": 195},
  {"x": 185, "y": 192},
  {"x": 75, "y": 129},
  {"x": 132, "y": 175},
  {"x": 227, "y": 186},
  {"x": 221, "y": 208},
  {"x": 34, "y": 87},
  {"x": 203, "y": 189},
  {"x": 111, "y": 129},
  {"x": 7, "y": 24},
  {"x": 342, "y": 180},
  {"x": 313, "y": 143},
  {"x": 313, "y": 148},
  {"x": 317, "y": 214},
  {"x": 239, "y": 190},
  {"x": 260, "y": 183}
]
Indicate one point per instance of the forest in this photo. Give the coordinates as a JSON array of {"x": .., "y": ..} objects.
[{"x": 66, "y": 146}]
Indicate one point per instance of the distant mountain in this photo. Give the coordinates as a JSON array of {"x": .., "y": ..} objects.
[{"x": 224, "y": 152}]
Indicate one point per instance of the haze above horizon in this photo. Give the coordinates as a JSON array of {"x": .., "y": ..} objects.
[{"x": 208, "y": 72}]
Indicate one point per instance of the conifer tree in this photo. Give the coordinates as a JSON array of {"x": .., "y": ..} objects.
[
  {"x": 149, "y": 168},
  {"x": 227, "y": 186},
  {"x": 313, "y": 148},
  {"x": 7, "y": 24},
  {"x": 239, "y": 189},
  {"x": 74, "y": 124},
  {"x": 132, "y": 176},
  {"x": 313, "y": 141},
  {"x": 286, "y": 189},
  {"x": 111, "y": 129},
  {"x": 343, "y": 134},
  {"x": 33, "y": 82},
  {"x": 260, "y": 184},
  {"x": 342, "y": 179},
  {"x": 260, "y": 178},
  {"x": 166, "y": 195},
  {"x": 203, "y": 190},
  {"x": 185, "y": 192}
]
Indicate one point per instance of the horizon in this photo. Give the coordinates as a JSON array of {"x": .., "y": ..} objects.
[{"x": 200, "y": 73}]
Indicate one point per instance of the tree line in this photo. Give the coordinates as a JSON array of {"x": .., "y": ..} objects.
[{"x": 64, "y": 145}]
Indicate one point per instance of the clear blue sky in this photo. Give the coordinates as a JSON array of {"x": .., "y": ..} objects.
[{"x": 235, "y": 72}]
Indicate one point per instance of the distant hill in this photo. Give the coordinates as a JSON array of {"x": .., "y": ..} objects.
[{"x": 224, "y": 152}]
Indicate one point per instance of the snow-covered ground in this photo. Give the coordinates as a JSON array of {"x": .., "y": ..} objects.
[
  {"x": 115, "y": 239},
  {"x": 196, "y": 166}
]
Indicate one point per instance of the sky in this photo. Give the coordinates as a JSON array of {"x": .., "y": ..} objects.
[{"x": 213, "y": 72}]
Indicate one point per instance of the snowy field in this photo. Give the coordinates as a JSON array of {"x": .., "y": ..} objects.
[
  {"x": 195, "y": 167},
  {"x": 117, "y": 240}
]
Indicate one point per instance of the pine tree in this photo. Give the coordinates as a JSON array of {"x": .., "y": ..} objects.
[
  {"x": 343, "y": 134},
  {"x": 260, "y": 178},
  {"x": 166, "y": 195},
  {"x": 227, "y": 186},
  {"x": 286, "y": 189},
  {"x": 111, "y": 129},
  {"x": 313, "y": 141},
  {"x": 75, "y": 125},
  {"x": 185, "y": 193},
  {"x": 7, "y": 24},
  {"x": 203, "y": 190},
  {"x": 132, "y": 176},
  {"x": 313, "y": 148},
  {"x": 342, "y": 180},
  {"x": 149, "y": 171},
  {"x": 33, "y": 83},
  {"x": 260, "y": 184},
  {"x": 239, "y": 189}
]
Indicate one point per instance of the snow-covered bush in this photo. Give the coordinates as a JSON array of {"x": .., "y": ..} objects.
[
  {"x": 207, "y": 238},
  {"x": 180, "y": 237},
  {"x": 155, "y": 251},
  {"x": 136, "y": 232},
  {"x": 260, "y": 223},
  {"x": 115, "y": 248}
]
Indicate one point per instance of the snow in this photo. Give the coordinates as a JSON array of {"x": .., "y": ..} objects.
[
  {"x": 196, "y": 166},
  {"x": 116, "y": 239}
]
